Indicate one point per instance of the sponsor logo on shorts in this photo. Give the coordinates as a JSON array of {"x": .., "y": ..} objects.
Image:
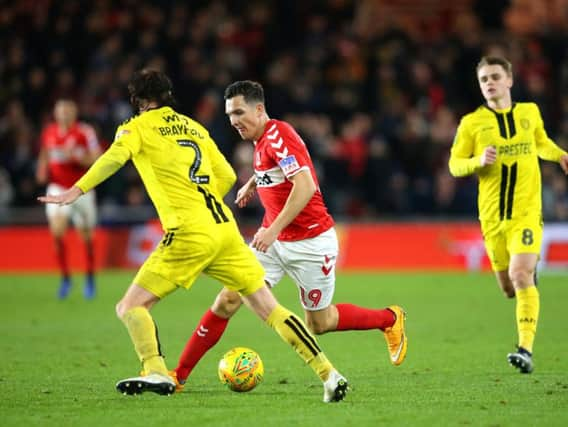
[{"x": 328, "y": 262}]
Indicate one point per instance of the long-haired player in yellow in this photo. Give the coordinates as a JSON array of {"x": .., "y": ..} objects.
[
  {"x": 187, "y": 177},
  {"x": 502, "y": 142}
]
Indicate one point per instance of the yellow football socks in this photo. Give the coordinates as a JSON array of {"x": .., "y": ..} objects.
[
  {"x": 144, "y": 336},
  {"x": 294, "y": 332},
  {"x": 528, "y": 304}
]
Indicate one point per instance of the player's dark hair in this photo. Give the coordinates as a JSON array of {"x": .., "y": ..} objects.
[
  {"x": 150, "y": 85},
  {"x": 251, "y": 91},
  {"x": 496, "y": 60}
]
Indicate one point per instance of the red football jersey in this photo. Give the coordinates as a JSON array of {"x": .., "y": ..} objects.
[
  {"x": 279, "y": 154},
  {"x": 62, "y": 149}
]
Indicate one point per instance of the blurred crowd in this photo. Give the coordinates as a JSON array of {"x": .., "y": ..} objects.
[{"x": 375, "y": 88}]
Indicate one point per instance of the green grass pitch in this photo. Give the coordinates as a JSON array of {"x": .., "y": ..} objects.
[{"x": 60, "y": 359}]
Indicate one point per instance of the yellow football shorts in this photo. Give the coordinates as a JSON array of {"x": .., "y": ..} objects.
[
  {"x": 510, "y": 237},
  {"x": 182, "y": 256}
]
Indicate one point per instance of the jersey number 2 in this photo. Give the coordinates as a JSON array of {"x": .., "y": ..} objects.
[
  {"x": 193, "y": 177},
  {"x": 212, "y": 204}
]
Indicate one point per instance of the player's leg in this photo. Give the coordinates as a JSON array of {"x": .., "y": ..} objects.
[
  {"x": 495, "y": 240},
  {"x": 264, "y": 304},
  {"x": 87, "y": 237},
  {"x": 505, "y": 283},
  {"x": 214, "y": 322},
  {"x": 496, "y": 248},
  {"x": 293, "y": 331},
  {"x": 84, "y": 217},
  {"x": 208, "y": 332},
  {"x": 238, "y": 269},
  {"x": 133, "y": 310},
  {"x": 58, "y": 219},
  {"x": 350, "y": 317},
  {"x": 521, "y": 272},
  {"x": 524, "y": 238},
  {"x": 311, "y": 264},
  {"x": 175, "y": 261}
]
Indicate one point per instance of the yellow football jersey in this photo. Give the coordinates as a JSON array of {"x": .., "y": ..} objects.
[
  {"x": 511, "y": 187},
  {"x": 184, "y": 172}
]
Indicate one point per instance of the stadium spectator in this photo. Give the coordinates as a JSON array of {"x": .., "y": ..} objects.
[
  {"x": 297, "y": 236},
  {"x": 396, "y": 64},
  {"x": 502, "y": 142},
  {"x": 6, "y": 190},
  {"x": 68, "y": 148},
  {"x": 201, "y": 234},
  {"x": 17, "y": 152}
]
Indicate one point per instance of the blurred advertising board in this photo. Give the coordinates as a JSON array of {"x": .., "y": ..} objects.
[{"x": 409, "y": 246}]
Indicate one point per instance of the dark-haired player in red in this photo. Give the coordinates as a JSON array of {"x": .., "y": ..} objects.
[{"x": 297, "y": 236}]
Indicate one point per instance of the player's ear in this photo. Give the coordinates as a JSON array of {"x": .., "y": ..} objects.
[{"x": 260, "y": 108}]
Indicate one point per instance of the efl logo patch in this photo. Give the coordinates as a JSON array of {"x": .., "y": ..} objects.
[
  {"x": 121, "y": 133},
  {"x": 289, "y": 164}
]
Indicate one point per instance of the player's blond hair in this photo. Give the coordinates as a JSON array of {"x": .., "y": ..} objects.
[{"x": 495, "y": 60}]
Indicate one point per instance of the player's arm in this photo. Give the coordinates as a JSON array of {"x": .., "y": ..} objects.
[
  {"x": 93, "y": 151},
  {"x": 126, "y": 144},
  {"x": 246, "y": 192},
  {"x": 546, "y": 148},
  {"x": 41, "y": 168},
  {"x": 462, "y": 160},
  {"x": 224, "y": 173},
  {"x": 106, "y": 165},
  {"x": 303, "y": 188}
]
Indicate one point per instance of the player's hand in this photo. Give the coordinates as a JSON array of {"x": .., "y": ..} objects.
[
  {"x": 263, "y": 238},
  {"x": 65, "y": 198},
  {"x": 244, "y": 194},
  {"x": 564, "y": 163},
  {"x": 489, "y": 156}
]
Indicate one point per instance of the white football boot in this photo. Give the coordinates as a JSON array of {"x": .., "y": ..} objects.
[{"x": 335, "y": 387}]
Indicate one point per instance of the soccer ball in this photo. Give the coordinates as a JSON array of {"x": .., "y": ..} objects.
[{"x": 241, "y": 369}]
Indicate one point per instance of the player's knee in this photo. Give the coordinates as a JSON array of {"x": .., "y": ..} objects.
[
  {"x": 317, "y": 329},
  {"x": 317, "y": 326},
  {"x": 58, "y": 228},
  {"x": 521, "y": 277},
  {"x": 226, "y": 304},
  {"x": 322, "y": 321},
  {"x": 58, "y": 234},
  {"x": 119, "y": 309},
  {"x": 509, "y": 293},
  {"x": 85, "y": 234}
]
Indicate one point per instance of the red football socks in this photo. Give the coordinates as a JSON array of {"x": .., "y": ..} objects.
[
  {"x": 61, "y": 253},
  {"x": 352, "y": 317},
  {"x": 205, "y": 336},
  {"x": 90, "y": 257}
]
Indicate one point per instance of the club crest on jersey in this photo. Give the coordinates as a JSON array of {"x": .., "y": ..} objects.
[
  {"x": 289, "y": 164},
  {"x": 525, "y": 124}
]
